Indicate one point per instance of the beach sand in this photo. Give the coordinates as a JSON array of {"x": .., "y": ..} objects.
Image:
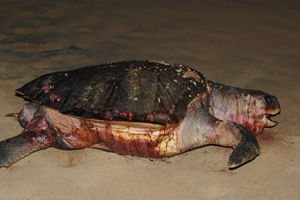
[{"x": 248, "y": 44}]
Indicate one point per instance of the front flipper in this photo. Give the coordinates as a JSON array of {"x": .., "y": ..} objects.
[
  {"x": 231, "y": 134},
  {"x": 201, "y": 128},
  {"x": 246, "y": 150}
]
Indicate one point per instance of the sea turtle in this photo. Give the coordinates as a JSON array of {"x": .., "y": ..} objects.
[{"x": 140, "y": 108}]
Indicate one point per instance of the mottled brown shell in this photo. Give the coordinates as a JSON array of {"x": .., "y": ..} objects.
[{"x": 141, "y": 91}]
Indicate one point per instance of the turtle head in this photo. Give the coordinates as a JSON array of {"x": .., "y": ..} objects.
[
  {"x": 266, "y": 106},
  {"x": 250, "y": 108},
  {"x": 255, "y": 109}
]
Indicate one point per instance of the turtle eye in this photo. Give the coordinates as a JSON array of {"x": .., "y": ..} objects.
[{"x": 267, "y": 99}]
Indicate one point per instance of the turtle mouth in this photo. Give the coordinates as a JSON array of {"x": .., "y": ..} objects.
[
  {"x": 269, "y": 122},
  {"x": 273, "y": 109},
  {"x": 267, "y": 118}
]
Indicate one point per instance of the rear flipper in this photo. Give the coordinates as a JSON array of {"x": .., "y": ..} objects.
[
  {"x": 35, "y": 136},
  {"x": 246, "y": 150},
  {"x": 13, "y": 149}
]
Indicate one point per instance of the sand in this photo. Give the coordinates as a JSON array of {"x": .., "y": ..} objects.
[{"x": 249, "y": 44}]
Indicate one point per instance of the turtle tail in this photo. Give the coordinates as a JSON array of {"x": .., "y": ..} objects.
[
  {"x": 246, "y": 149},
  {"x": 35, "y": 136}
]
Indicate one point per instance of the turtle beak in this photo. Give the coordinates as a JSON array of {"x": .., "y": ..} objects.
[
  {"x": 273, "y": 110},
  {"x": 268, "y": 122}
]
